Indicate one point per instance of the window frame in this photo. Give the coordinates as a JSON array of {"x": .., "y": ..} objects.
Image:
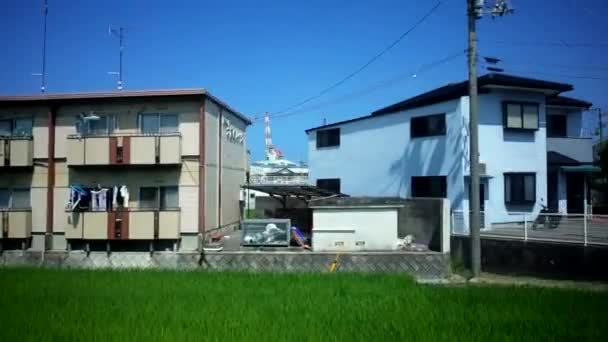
[
  {"x": 13, "y": 126},
  {"x": 159, "y": 130},
  {"x": 321, "y": 180},
  {"x": 329, "y": 143},
  {"x": 427, "y": 133},
  {"x": 159, "y": 192},
  {"x": 523, "y": 190},
  {"x": 443, "y": 186},
  {"x": 11, "y": 199},
  {"x": 111, "y": 126},
  {"x": 521, "y": 104}
]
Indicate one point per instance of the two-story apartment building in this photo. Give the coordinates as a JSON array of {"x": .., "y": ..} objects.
[
  {"x": 157, "y": 166},
  {"x": 419, "y": 147}
]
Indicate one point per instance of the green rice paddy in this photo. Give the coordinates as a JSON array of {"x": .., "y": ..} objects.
[{"x": 64, "y": 305}]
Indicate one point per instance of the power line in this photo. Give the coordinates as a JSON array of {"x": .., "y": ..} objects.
[
  {"x": 368, "y": 63},
  {"x": 375, "y": 87},
  {"x": 559, "y": 43},
  {"x": 563, "y": 66}
]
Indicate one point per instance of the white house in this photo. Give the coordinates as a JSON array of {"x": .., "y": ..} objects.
[{"x": 419, "y": 147}]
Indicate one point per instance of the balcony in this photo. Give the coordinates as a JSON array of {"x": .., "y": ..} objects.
[
  {"x": 16, "y": 223},
  {"x": 132, "y": 224},
  {"x": 579, "y": 149},
  {"x": 16, "y": 152},
  {"x": 124, "y": 150}
]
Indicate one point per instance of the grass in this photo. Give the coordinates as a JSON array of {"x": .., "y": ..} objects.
[{"x": 62, "y": 305}]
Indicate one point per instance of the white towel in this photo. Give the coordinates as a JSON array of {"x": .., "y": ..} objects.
[{"x": 124, "y": 192}]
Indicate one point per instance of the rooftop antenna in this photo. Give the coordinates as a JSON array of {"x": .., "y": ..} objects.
[
  {"x": 119, "y": 33},
  {"x": 45, "y": 12}
]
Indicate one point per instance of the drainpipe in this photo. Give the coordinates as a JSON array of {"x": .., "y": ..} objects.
[
  {"x": 50, "y": 183},
  {"x": 201, "y": 174}
]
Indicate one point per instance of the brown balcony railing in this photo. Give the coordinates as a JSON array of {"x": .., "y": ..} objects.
[
  {"x": 125, "y": 224},
  {"x": 122, "y": 149}
]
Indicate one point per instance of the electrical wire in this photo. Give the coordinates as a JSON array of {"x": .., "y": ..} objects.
[
  {"x": 375, "y": 87},
  {"x": 584, "y": 77},
  {"x": 364, "y": 66},
  {"x": 559, "y": 43}
]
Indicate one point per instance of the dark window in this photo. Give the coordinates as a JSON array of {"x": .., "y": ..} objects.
[
  {"x": 520, "y": 115},
  {"x": 15, "y": 198},
  {"x": 430, "y": 186},
  {"x": 520, "y": 188},
  {"x": 427, "y": 126},
  {"x": 16, "y": 127},
  {"x": 328, "y": 137},
  {"x": 154, "y": 123},
  {"x": 331, "y": 184},
  {"x": 557, "y": 125},
  {"x": 164, "y": 197}
]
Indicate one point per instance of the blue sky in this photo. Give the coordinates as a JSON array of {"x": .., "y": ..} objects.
[{"x": 267, "y": 55}]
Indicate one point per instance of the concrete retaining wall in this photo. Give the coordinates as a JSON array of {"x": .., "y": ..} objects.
[{"x": 420, "y": 265}]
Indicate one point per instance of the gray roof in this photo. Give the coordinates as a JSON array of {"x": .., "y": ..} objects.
[{"x": 67, "y": 97}]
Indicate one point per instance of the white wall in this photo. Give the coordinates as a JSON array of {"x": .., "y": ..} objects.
[
  {"x": 376, "y": 156},
  {"x": 376, "y": 227}
]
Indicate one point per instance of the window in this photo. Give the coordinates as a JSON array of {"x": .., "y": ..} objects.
[
  {"x": 429, "y": 186},
  {"x": 15, "y": 198},
  {"x": 427, "y": 126},
  {"x": 520, "y": 115},
  {"x": 520, "y": 188},
  {"x": 557, "y": 126},
  {"x": 96, "y": 127},
  {"x": 328, "y": 137},
  {"x": 164, "y": 197},
  {"x": 330, "y": 184},
  {"x": 155, "y": 123},
  {"x": 16, "y": 127}
]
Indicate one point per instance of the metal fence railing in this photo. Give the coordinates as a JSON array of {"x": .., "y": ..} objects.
[{"x": 585, "y": 229}]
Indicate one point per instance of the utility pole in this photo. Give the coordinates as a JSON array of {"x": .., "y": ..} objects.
[
  {"x": 472, "y": 12},
  {"x": 475, "y": 10}
]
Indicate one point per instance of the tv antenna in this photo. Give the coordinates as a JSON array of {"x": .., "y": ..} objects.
[
  {"x": 118, "y": 32},
  {"x": 42, "y": 75}
]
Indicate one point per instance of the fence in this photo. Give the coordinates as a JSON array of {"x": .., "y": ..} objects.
[{"x": 585, "y": 229}]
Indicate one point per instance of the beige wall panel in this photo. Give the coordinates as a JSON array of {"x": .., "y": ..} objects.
[
  {"x": 38, "y": 202},
  {"x": 97, "y": 151},
  {"x": 75, "y": 151},
  {"x": 170, "y": 150},
  {"x": 168, "y": 223},
  {"x": 143, "y": 150},
  {"x": 62, "y": 174},
  {"x": 3, "y": 143},
  {"x": 211, "y": 133},
  {"x": 189, "y": 173},
  {"x": 64, "y": 126},
  {"x": 188, "y": 202},
  {"x": 141, "y": 225},
  {"x": 231, "y": 185},
  {"x": 211, "y": 197},
  {"x": 39, "y": 176},
  {"x": 74, "y": 229},
  {"x": 21, "y": 152},
  {"x": 41, "y": 136},
  {"x": 20, "y": 224},
  {"x": 61, "y": 218},
  {"x": 188, "y": 127},
  {"x": 95, "y": 226}
]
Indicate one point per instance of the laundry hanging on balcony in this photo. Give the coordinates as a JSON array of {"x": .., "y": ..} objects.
[{"x": 98, "y": 198}]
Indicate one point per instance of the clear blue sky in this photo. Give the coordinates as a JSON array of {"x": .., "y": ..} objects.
[{"x": 267, "y": 55}]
